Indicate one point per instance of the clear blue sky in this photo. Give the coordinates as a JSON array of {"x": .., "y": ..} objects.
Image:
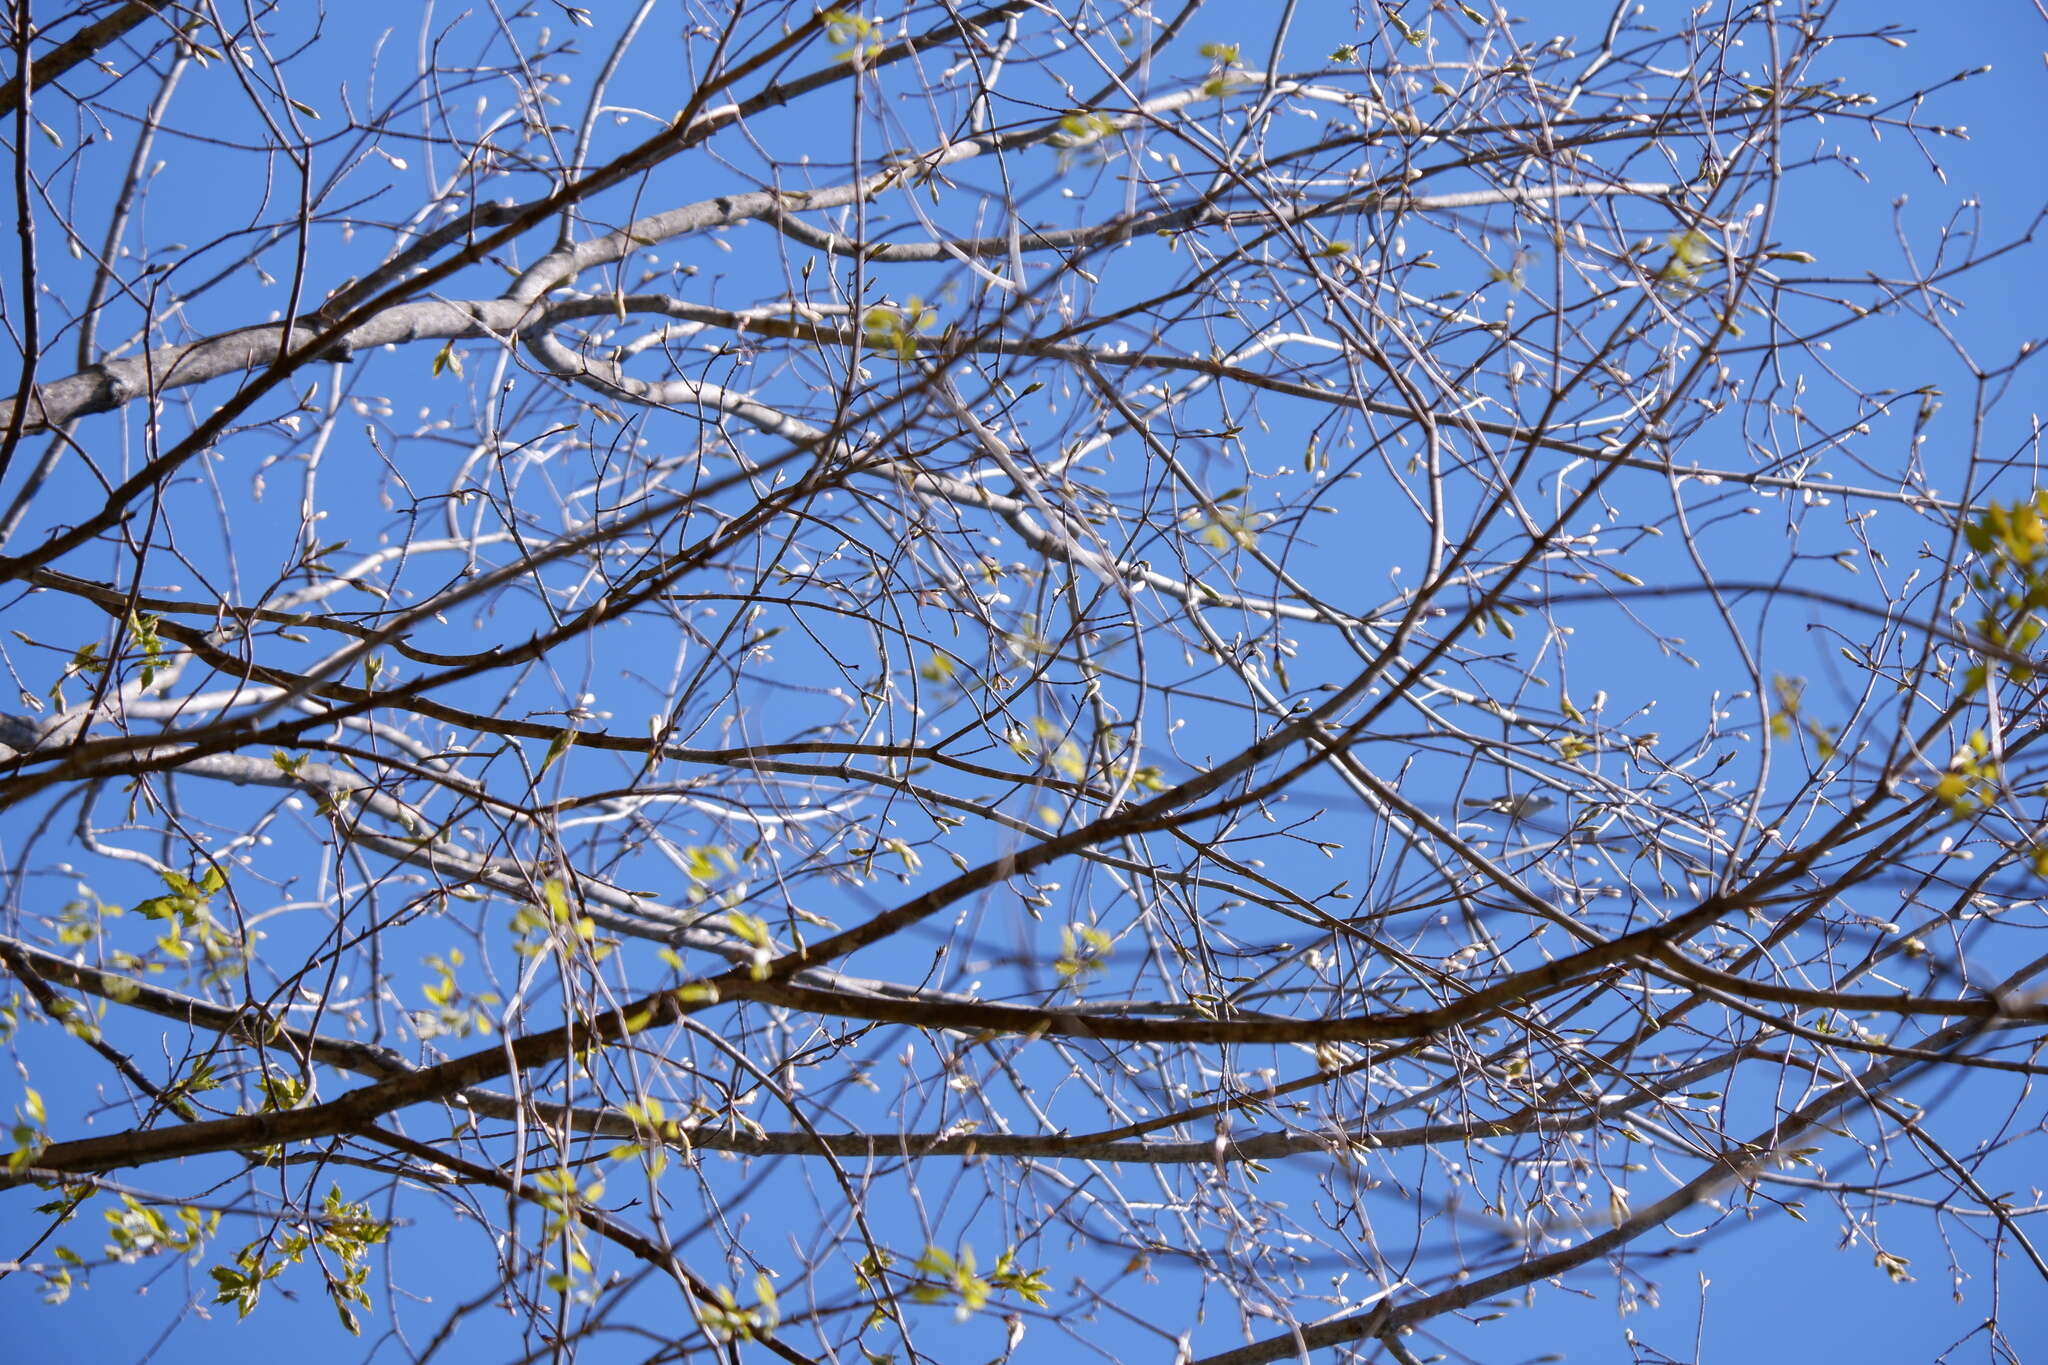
[{"x": 1772, "y": 1290}]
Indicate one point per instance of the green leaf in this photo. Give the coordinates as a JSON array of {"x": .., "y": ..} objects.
[{"x": 557, "y": 746}]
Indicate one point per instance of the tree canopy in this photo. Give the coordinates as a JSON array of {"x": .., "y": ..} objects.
[{"x": 905, "y": 682}]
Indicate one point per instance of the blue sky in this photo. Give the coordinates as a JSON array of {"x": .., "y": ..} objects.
[{"x": 1767, "y": 1288}]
